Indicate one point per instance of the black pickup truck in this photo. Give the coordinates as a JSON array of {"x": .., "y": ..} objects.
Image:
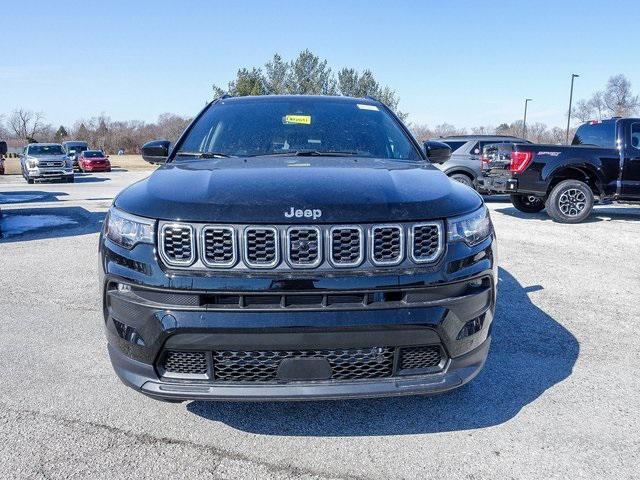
[{"x": 603, "y": 162}]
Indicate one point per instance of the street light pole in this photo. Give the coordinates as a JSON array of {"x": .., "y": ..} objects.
[
  {"x": 524, "y": 121},
  {"x": 573, "y": 77}
]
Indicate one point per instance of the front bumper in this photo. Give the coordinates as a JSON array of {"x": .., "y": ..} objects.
[
  {"x": 161, "y": 311},
  {"x": 39, "y": 173},
  {"x": 96, "y": 168}
]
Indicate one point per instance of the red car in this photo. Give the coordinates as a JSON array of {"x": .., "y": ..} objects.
[{"x": 94, "y": 161}]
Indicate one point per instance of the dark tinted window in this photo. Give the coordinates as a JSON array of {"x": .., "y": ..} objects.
[
  {"x": 454, "y": 145},
  {"x": 635, "y": 135},
  {"x": 475, "y": 150},
  {"x": 45, "y": 150},
  {"x": 288, "y": 125},
  {"x": 93, "y": 154},
  {"x": 596, "y": 134}
]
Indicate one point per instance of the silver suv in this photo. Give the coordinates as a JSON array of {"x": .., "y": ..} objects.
[
  {"x": 465, "y": 163},
  {"x": 41, "y": 161}
]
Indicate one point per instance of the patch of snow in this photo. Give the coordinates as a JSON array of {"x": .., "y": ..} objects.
[
  {"x": 17, "y": 224},
  {"x": 28, "y": 197}
]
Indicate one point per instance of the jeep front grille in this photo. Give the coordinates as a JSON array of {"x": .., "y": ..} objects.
[
  {"x": 177, "y": 242},
  {"x": 261, "y": 247},
  {"x": 426, "y": 242},
  {"x": 218, "y": 246},
  {"x": 346, "y": 246},
  {"x": 304, "y": 246},
  {"x": 387, "y": 244},
  {"x": 287, "y": 247}
]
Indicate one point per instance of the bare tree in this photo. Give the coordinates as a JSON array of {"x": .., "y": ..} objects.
[
  {"x": 617, "y": 100},
  {"x": 27, "y": 125},
  {"x": 483, "y": 130},
  {"x": 618, "y": 97},
  {"x": 445, "y": 130},
  {"x": 170, "y": 126},
  {"x": 4, "y": 133},
  {"x": 421, "y": 132}
]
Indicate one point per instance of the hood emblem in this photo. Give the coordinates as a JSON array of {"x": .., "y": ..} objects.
[{"x": 300, "y": 213}]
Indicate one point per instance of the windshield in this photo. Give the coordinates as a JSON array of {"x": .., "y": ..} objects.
[
  {"x": 93, "y": 154},
  {"x": 288, "y": 126},
  {"x": 45, "y": 150}
]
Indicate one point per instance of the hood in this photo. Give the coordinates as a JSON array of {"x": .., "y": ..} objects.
[{"x": 263, "y": 189}]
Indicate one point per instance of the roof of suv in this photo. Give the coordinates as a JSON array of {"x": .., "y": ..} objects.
[{"x": 322, "y": 98}]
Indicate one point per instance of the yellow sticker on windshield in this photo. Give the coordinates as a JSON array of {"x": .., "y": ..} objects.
[{"x": 300, "y": 119}]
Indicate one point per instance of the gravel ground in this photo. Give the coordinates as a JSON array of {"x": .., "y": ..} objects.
[{"x": 557, "y": 398}]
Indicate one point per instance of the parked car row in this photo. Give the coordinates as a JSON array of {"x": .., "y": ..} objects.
[{"x": 54, "y": 161}]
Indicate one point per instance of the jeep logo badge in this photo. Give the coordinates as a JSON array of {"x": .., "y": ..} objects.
[{"x": 300, "y": 213}]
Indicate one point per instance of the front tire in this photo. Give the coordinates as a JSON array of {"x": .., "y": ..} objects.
[
  {"x": 571, "y": 201},
  {"x": 527, "y": 203},
  {"x": 463, "y": 179}
]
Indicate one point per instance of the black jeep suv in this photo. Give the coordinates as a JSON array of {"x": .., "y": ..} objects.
[{"x": 297, "y": 247}]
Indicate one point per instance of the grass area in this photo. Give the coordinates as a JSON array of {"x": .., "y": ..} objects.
[{"x": 126, "y": 162}]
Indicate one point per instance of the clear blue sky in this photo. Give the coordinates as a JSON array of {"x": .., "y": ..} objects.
[{"x": 463, "y": 62}]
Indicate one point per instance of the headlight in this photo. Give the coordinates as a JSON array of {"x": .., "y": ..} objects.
[
  {"x": 471, "y": 228},
  {"x": 128, "y": 230},
  {"x": 33, "y": 163}
]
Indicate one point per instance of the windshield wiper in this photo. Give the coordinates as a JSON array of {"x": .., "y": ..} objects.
[
  {"x": 204, "y": 154},
  {"x": 308, "y": 153}
]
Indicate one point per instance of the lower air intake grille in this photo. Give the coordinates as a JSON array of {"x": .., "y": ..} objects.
[
  {"x": 427, "y": 242},
  {"x": 262, "y": 366},
  {"x": 412, "y": 358},
  {"x": 178, "y": 244},
  {"x": 261, "y": 247},
  {"x": 185, "y": 363}
]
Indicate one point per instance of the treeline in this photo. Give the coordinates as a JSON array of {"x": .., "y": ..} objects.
[
  {"x": 536, "y": 132},
  {"x": 25, "y": 126}
]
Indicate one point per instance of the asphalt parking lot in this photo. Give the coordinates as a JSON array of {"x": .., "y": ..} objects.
[{"x": 557, "y": 398}]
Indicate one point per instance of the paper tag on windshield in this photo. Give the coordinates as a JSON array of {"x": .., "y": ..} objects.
[
  {"x": 299, "y": 119},
  {"x": 363, "y": 106}
]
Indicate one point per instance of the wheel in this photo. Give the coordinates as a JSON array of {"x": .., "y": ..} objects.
[
  {"x": 29, "y": 180},
  {"x": 527, "y": 203},
  {"x": 571, "y": 201},
  {"x": 463, "y": 179}
]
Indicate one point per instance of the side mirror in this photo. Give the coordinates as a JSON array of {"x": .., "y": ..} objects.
[
  {"x": 3, "y": 148},
  {"x": 156, "y": 151},
  {"x": 437, "y": 152}
]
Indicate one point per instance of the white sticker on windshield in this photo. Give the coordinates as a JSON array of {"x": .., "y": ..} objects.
[{"x": 363, "y": 106}]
